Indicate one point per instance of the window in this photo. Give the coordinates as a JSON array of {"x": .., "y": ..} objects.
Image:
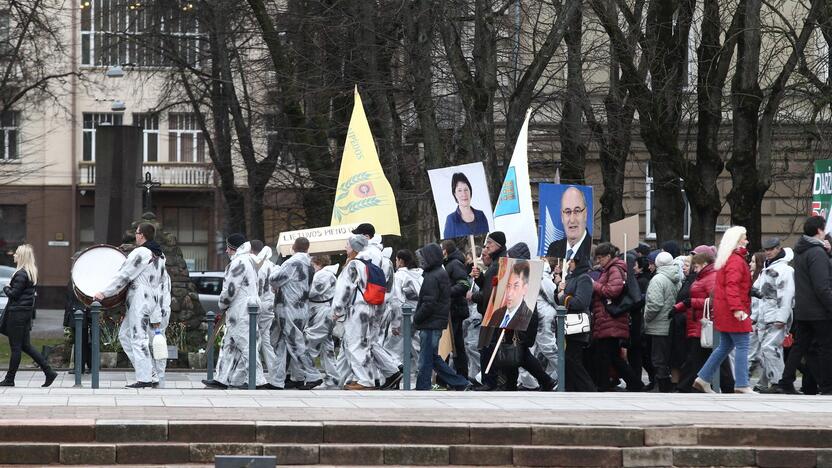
[
  {"x": 86, "y": 227},
  {"x": 115, "y": 32},
  {"x": 190, "y": 226},
  {"x": 210, "y": 285},
  {"x": 5, "y": 30},
  {"x": 91, "y": 121},
  {"x": 186, "y": 143},
  {"x": 150, "y": 135},
  {"x": 12, "y": 230},
  {"x": 691, "y": 65},
  {"x": 649, "y": 195},
  {"x": 9, "y": 135}
]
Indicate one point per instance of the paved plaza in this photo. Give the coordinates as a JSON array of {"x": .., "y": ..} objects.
[{"x": 185, "y": 398}]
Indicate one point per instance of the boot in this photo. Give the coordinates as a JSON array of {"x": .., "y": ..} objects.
[
  {"x": 665, "y": 385},
  {"x": 51, "y": 375}
]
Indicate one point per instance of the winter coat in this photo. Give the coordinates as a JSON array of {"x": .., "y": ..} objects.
[
  {"x": 21, "y": 293},
  {"x": 700, "y": 290},
  {"x": 812, "y": 277},
  {"x": 264, "y": 288},
  {"x": 732, "y": 293},
  {"x": 776, "y": 285},
  {"x": 406, "y": 286},
  {"x": 434, "y": 305},
  {"x": 609, "y": 287},
  {"x": 460, "y": 285},
  {"x": 291, "y": 282},
  {"x": 660, "y": 299}
]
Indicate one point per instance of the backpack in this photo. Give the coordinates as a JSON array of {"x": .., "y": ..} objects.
[{"x": 376, "y": 283}]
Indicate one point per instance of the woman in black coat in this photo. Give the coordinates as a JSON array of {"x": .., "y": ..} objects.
[
  {"x": 575, "y": 293},
  {"x": 17, "y": 320}
]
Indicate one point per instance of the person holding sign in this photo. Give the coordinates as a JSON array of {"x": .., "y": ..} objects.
[{"x": 465, "y": 220}]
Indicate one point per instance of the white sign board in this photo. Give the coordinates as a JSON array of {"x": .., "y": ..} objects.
[{"x": 330, "y": 239}]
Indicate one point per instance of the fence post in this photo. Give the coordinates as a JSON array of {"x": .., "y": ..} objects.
[
  {"x": 253, "y": 310},
  {"x": 407, "y": 312},
  {"x": 560, "y": 323},
  {"x": 209, "y": 349},
  {"x": 78, "y": 316},
  {"x": 95, "y": 311}
]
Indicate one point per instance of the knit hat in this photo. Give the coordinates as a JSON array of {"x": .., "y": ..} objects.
[
  {"x": 358, "y": 242},
  {"x": 708, "y": 249},
  {"x": 652, "y": 257},
  {"x": 663, "y": 259},
  {"x": 365, "y": 229},
  {"x": 498, "y": 237},
  {"x": 236, "y": 240}
]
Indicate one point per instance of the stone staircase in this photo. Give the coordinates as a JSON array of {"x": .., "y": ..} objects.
[{"x": 106, "y": 442}]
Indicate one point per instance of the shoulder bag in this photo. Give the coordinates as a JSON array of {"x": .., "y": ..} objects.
[
  {"x": 706, "y": 337},
  {"x": 509, "y": 355}
]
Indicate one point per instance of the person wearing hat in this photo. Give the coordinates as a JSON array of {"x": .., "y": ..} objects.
[
  {"x": 144, "y": 275},
  {"x": 265, "y": 318},
  {"x": 658, "y": 308},
  {"x": 239, "y": 287},
  {"x": 359, "y": 363},
  {"x": 386, "y": 361},
  {"x": 292, "y": 280},
  {"x": 495, "y": 247},
  {"x": 771, "y": 313}
]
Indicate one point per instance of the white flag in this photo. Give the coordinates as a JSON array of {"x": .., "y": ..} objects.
[{"x": 514, "y": 213}]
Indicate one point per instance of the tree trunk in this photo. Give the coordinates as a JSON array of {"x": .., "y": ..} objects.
[
  {"x": 745, "y": 196},
  {"x": 573, "y": 148}
]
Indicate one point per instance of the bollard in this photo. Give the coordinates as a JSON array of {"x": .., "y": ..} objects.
[
  {"x": 210, "y": 316},
  {"x": 407, "y": 312},
  {"x": 95, "y": 310},
  {"x": 253, "y": 309},
  {"x": 560, "y": 323},
  {"x": 79, "y": 352}
]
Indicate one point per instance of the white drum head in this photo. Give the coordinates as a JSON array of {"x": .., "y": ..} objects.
[{"x": 96, "y": 268}]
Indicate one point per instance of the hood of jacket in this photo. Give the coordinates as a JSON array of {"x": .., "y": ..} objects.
[
  {"x": 412, "y": 273},
  {"x": 519, "y": 250},
  {"x": 333, "y": 269},
  {"x": 805, "y": 243},
  {"x": 432, "y": 256},
  {"x": 455, "y": 255},
  {"x": 154, "y": 248},
  {"x": 244, "y": 249},
  {"x": 671, "y": 272}
]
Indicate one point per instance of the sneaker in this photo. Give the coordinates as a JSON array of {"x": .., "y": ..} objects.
[
  {"x": 703, "y": 386},
  {"x": 50, "y": 377},
  {"x": 140, "y": 385},
  {"x": 268, "y": 386},
  {"x": 311, "y": 385},
  {"x": 214, "y": 384},
  {"x": 743, "y": 390},
  {"x": 485, "y": 388},
  {"x": 783, "y": 389},
  {"x": 7, "y": 383},
  {"x": 290, "y": 384},
  {"x": 357, "y": 386},
  {"x": 392, "y": 382}
]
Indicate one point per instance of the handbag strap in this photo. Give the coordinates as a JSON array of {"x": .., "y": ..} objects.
[{"x": 707, "y": 308}]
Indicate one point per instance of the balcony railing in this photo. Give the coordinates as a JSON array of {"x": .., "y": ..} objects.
[{"x": 169, "y": 174}]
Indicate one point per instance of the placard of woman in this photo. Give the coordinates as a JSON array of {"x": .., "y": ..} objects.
[{"x": 465, "y": 220}]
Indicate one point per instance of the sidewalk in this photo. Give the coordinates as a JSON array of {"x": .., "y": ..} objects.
[{"x": 184, "y": 399}]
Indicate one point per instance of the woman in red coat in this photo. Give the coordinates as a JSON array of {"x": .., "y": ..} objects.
[
  {"x": 694, "y": 309},
  {"x": 609, "y": 331},
  {"x": 732, "y": 311}
]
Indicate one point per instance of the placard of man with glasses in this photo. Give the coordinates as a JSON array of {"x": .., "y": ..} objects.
[{"x": 575, "y": 238}]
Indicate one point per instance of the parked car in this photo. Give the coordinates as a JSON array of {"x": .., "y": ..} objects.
[
  {"x": 6, "y": 271},
  {"x": 3, "y": 298},
  {"x": 209, "y": 286}
]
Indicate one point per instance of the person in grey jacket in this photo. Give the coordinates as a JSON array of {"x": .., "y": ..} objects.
[{"x": 658, "y": 308}]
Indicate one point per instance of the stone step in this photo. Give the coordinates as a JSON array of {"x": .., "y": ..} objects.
[
  {"x": 346, "y": 433},
  {"x": 177, "y": 453}
]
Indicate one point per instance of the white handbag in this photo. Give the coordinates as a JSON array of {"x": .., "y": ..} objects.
[
  {"x": 577, "y": 323},
  {"x": 706, "y": 338}
]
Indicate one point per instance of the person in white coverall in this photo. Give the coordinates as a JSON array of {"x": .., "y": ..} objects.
[
  {"x": 545, "y": 347},
  {"x": 239, "y": 289},
  {"x": 291, "y": 281},
  {"x": 265, "y": 319},
  {"x": 406, "y": 285},
  {"x": 318, "y": 333},
  {"x": 148, "y": 305}
]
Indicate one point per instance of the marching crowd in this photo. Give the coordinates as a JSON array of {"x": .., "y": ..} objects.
[{"x": 678, "y": 319}]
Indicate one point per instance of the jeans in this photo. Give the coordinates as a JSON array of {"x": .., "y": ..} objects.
[
  {"x": 727, "y": 342},
  {"x": 429, "y": 360}
]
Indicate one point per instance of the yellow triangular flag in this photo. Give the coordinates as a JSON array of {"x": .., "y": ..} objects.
[{"x": 363, "y": 194}]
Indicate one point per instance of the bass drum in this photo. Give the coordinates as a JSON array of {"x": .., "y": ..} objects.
[{"x": 93, "y": 271}]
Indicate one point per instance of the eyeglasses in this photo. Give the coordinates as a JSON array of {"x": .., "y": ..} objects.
[{"x": 577, "y": 211}]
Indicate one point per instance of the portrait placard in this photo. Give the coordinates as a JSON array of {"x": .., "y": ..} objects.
[{"x": 463, "y": 205}]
